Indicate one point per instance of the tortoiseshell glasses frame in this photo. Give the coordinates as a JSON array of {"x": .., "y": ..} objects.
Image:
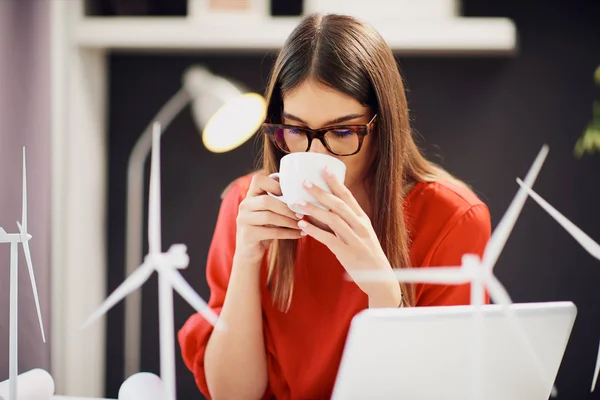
[{"x": 277, "y": 132}]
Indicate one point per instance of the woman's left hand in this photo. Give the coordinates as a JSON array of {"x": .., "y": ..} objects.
[{"x": 353, "y": 240}]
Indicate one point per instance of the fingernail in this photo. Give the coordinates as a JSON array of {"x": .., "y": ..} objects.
[
  {"x": 299, "y": 216},
  {"x": 308, "y": 184},
  {"x": 302, "y": 224},
  {"x": 301, "y": 202},
  {"x": 328, "y": 171},
  {"x": 302, "y": 233}
]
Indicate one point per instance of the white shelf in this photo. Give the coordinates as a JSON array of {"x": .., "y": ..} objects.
[{"x": 441, "y": 36}]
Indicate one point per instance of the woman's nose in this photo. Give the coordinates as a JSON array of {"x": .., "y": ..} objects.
[{"x": 317, "y": 147}]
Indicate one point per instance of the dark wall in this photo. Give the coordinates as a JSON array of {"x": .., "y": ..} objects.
[{"x": 484, "y": 119}]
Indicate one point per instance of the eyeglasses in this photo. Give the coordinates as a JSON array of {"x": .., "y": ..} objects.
[{"x": 341, "y": 140}]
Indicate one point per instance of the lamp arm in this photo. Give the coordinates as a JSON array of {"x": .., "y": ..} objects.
[{"x": 134, "y": 225}]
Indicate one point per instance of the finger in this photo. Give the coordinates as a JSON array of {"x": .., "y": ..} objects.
[
  {"x": 268, "y": 203},
  {"x": 336, "y": 205},
  {"x": 334, "y": 221},
  {"x": 328, "y": 239},
  {"x": 261, "y": 184},
  {"x": 269, "y": 233},
  {"x": 341, "y": 191},
  {"x": 263, "y": 218}
]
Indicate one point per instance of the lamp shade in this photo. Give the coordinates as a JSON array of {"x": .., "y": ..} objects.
[{"x": 226, "y": 113}]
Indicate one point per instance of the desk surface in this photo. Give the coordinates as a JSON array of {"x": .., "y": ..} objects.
[{"x": 77, "y": 398}]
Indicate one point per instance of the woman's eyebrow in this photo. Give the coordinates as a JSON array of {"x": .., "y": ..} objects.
[
  {"x": 293, "y": 118},
  {"x": 335, "y": 121}
]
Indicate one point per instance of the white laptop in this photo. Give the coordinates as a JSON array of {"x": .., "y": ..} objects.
[{"x": 424, "y": 353}]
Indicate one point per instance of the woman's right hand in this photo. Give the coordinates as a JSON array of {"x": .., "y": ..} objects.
[{"x": 262, "y": 218}]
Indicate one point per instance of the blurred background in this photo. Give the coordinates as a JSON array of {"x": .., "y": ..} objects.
[{"x": 488, "y": 84}]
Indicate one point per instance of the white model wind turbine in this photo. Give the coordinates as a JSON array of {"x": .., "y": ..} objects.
[
  {"x": 166, "y": 264},
  {"x": 479, "y": 272},
  {"x": 580, "y": 236},
  {"x": 14, "y": 239}
]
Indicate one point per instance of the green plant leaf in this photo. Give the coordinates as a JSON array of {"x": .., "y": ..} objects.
[
  {"x": 596, "y": 110},
  {"x": 589, "y": 142}
]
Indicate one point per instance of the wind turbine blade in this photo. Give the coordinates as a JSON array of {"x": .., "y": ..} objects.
[
  {"x": 596, "y": 370},
  {"x": 154, "y": 223},
  {"x": 186, "y": 291},
  {"x": 506, "y": 224},
  {"x": 24, "y": 205},
  {"x": 580, "y": 236},
  {"x": 497, "y": 291},
  {"x": 442, "y": 275},
  {"x": 133, "y": 282},
  {"x": 25, "y": 244},
  {"x": 500, "y": 296}
]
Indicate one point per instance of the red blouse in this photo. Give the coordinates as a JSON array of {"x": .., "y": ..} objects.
[{"x": 304, "y": 346}]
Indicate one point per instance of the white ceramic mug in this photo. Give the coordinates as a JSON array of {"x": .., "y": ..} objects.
[{"x": 295, "y": 168}]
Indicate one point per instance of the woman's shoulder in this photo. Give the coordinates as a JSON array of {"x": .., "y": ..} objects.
[
  {"x": 445, "y": 220},
  {"x": 443, "y": 197},
  {"x": 238, "y": 187},
  {"x": 436, "y": 206}
]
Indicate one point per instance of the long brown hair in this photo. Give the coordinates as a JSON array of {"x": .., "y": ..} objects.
[{"x": 351, "y": 57}]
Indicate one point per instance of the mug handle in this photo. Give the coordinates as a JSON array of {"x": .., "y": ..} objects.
[{"x": 275, "y": 175}]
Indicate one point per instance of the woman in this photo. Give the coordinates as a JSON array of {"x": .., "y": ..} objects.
[{"x": 280, "y": 282}]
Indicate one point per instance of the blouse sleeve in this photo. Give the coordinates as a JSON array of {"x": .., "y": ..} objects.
[
  {"x": 194, "y": 335},
  {"x": 468, "y": 234}
]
